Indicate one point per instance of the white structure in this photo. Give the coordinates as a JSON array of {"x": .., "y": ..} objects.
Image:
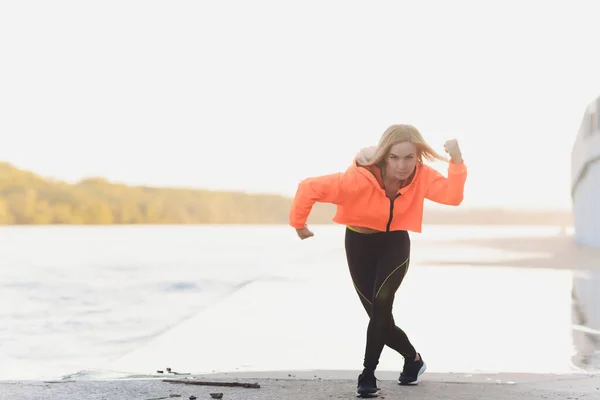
[
  {"x": 585, "y": 192},
  {"x": 585, "y": 178}
]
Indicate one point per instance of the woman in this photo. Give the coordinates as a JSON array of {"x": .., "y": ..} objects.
[{"x": 380, "y": 198}]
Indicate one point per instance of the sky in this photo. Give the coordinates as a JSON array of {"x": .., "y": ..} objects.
[{"x": 257, "y": 95}]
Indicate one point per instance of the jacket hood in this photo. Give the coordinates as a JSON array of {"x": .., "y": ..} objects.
[{"x": 365, "y": 155}]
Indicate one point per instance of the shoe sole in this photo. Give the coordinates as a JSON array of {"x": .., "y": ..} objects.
[
  {"x": 416, "y": 381},
  {"x": 367, "y": 395}
]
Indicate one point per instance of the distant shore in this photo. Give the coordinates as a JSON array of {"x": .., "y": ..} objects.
[{"x": 30, "y": 199}]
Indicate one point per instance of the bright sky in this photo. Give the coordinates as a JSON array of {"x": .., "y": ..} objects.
[{"x": 256, "y": 95}]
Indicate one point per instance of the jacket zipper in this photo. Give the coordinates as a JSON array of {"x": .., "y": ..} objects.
[{"x": 387, "y": 229}]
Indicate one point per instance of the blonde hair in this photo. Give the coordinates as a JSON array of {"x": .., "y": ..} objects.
[{"x": 397, "y": 134}]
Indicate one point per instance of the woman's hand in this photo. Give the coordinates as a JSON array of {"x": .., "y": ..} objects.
[
  {"x": 452, "y": 148},
  {"x": 304, "y": 233}
]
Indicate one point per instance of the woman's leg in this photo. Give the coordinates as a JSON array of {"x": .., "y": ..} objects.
[
  {"x": 362, "y": 264},
  {"x": 392, "y": 264},
  {"x": 376, "y": 275},
  {"x": 363, "y": 252}
]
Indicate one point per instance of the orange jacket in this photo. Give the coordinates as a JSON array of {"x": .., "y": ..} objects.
[{"x": 361, "y": 199}]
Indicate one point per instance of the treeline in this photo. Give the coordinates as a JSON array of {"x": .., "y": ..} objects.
[{"x": 26, "y": 198}]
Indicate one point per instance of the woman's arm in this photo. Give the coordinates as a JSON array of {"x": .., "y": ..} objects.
[
  {"x": 450, "y": 190},
  {"x": 332, "y": 188}
]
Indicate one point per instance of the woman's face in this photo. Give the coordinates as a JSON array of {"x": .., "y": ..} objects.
[{"x": 401, "y": 160}]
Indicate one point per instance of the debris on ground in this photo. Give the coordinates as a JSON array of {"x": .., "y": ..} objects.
[
  {"x": 212, "y": 383},
  {"x": 165, "y": 397}
]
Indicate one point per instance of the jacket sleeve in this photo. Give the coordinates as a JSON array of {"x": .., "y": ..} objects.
[
  {"x": 450, "y": 190},
  {"x": 332, "y": 188}
]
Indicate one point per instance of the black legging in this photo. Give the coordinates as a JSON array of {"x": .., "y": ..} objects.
[{"x": 378, "y": 263}]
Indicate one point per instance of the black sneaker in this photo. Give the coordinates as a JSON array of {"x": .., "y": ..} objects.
[
  {"x": 411, "y": 372},
  {"x": 367, "y": 385}
]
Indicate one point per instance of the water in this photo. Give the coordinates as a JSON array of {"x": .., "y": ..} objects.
[
  {"x": 80, "y": 294},
  {"x": 79, "y": 298}
]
